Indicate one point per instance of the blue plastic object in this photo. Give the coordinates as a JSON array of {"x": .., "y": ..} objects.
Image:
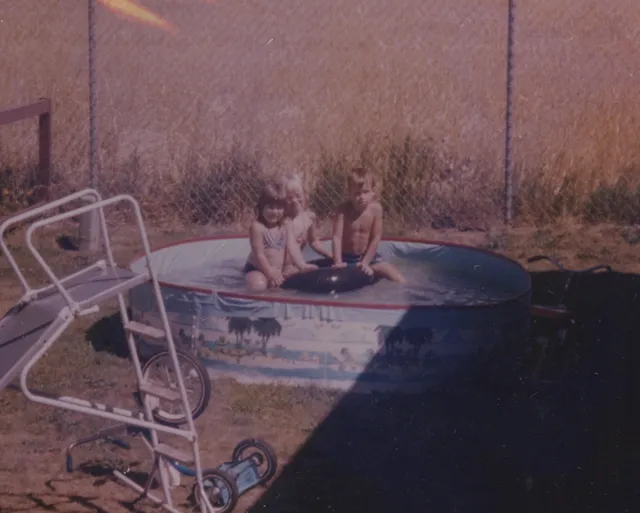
[{"x": 246, "y": 473}]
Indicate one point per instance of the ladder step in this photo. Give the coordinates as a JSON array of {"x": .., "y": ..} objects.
[
  {"x": 142, "y": 329},
  {"x": 168, "y": 394},
  {"x": 174, "y": 454}
]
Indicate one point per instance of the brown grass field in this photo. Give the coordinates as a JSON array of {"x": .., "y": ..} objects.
[
  {"x": 417, "y": 90},
  {"x": 309, "y": 86}
]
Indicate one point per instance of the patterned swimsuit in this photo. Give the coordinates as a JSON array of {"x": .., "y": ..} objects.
[{"x": 269, "y": 242}]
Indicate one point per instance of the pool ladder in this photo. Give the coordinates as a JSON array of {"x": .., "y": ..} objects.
[{"x": 79, "y": 295}]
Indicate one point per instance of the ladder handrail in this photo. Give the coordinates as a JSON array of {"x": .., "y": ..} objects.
[
  {"x": 18, "y": 218},
  {"x": 98, "y": 205},
  {"x": 157, "y": 292}
]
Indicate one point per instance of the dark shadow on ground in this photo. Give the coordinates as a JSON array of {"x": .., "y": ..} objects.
[
  {"x": 497, "y": 442},
  {"x": 67, "y": 243},
  {"x": 108, "y": 335},
  {"x": 56, "y": 502}
]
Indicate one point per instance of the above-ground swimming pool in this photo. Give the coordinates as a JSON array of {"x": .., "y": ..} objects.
[{"x": 459, "y": 302}]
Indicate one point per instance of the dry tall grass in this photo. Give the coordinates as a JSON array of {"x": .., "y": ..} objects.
[{"x": 186, "y": 120}]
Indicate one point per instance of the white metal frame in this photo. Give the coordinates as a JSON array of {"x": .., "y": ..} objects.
[{"x": 75, "y": 309}]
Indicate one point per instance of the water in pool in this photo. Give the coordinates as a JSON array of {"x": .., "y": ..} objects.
[{"x": 427, "y": 284}]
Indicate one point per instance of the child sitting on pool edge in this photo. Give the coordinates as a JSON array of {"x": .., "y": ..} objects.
[
  {"x": 303, "y": 220},
  {"x": 357, "y": 229},
  {"x": 271, "y": 237}
]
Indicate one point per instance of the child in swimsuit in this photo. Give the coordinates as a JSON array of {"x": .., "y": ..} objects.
[
  {"x": 303, "y": 220},
  {"x": 271, "y": 237},
  {"x": 357, "y": 229}
]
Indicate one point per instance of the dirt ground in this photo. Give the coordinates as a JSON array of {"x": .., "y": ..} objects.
[{"x": 499, "y": 444}]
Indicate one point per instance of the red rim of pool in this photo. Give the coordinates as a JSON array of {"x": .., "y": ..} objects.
[{"x": 335, "y": 302}]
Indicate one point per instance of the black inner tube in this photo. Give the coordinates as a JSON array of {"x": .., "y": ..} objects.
[{"x": 327, "y": 280}]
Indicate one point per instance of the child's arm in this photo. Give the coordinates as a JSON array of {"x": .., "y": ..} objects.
[
  {"x": 375, "y": 237},
  {"x": 314, "y": 240},
  {"x": 294, "y": 249},
  {"x": 255, "y": 238},
  {"x": 338, "y": 228}
]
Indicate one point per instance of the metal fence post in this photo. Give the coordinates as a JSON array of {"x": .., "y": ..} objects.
[
  {"x": 89, "y": 225},
  {"x": 508, "y": 161}
]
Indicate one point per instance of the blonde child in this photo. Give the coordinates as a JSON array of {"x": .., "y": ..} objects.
[
  {"x": 357, "y": 229},
  {"x": 271, "y": 237},
  {"x": 303, "y": 220}
]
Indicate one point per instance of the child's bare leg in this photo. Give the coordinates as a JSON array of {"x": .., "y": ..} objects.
[
  {"x": 290, "y": 270},
  {"x": 256, "y": 281},
  {"x": 388, "y": 271}
]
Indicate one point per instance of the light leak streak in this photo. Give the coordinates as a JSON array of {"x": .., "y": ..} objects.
[{"x": 132, "y": 10}]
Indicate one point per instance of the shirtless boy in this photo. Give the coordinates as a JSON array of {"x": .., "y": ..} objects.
[{"x": 357, "y": 229}]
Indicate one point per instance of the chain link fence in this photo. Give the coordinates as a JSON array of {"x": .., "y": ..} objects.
[
  {"x": 576, "y": 110},
  {"x": 196, "y": 108}
]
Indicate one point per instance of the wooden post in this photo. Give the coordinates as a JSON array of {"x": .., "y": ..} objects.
[
  {"x": 44, "y": 153},
  {"x": 42, "y": 109}
]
